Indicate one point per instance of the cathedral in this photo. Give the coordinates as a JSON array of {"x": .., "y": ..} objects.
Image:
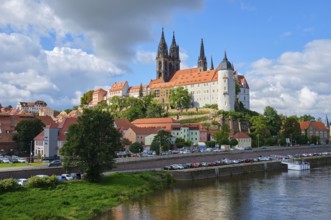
[{"x": 222, "y": 86}]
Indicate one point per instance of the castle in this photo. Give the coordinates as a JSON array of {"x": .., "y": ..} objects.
[{"x": 222, "y": 86}]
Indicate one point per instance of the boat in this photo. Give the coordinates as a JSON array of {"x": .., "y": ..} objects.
[{"x": 296, "y": 165}]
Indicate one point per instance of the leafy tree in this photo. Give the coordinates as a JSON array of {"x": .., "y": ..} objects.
[
  {"x": 210, "y": 144},
  {"x": 125, "y": 142},
  {"x": 162, "y": 139},
  {"x": 222, "y": 136},
  {"x": 233, "y": 142},
  {"x": 136, "y": 147},
  {"x": 180, "y": 142},
  {"x": 86, "y": 98},
  {"x": 260, "y": 129},
  {"x": 154, "y": 110},
  {"x": 26, "y": 131},
  {"x": 180, "y": 98},
  {"x": 306, "y": 118},
  {"x": 273, "y": 120},
  {"x": 291, "y": 129},
  {"x": 91, "y": 144}
]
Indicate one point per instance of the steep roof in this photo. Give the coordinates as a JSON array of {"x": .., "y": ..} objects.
[
  {"x": 240, "y": 135},
  {"x": 143, "y": 131},
  {"x": 316, "y": 125},
  {"x": 64, "y": 126},
  {"x": 122, "y": 123},
  {"x": 117, "y": 86},
  {"x": 47, "y": 120}
]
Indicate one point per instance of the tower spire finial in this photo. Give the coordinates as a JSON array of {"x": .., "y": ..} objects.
[{"x": 202, "y": 62}]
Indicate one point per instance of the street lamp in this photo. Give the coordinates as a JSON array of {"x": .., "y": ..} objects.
[{"x": 30, "y": 151}]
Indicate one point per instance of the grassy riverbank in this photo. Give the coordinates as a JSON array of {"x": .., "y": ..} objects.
[{"x": 80, "y": 199}]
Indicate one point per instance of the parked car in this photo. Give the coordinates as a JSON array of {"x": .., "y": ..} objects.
[
  {"x": 22, "y": 181},
  {"x": 55, "y": 163},
  {"x": 76, "y": 176},
  {"x": 67, "y": 176},
  {"x": 21, "y": 160},
  {"x": 61, "y": 178}
]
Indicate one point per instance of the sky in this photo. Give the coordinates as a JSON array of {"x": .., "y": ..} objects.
[{"x": 56, "y": 50}]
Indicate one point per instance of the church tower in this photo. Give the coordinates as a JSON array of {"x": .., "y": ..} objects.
[
  {"x": 174, "y": 61},
  {"x": 226, "y": 86},
  {"x": 162, "y": 60},
  {"x": 202, "y": 61}
]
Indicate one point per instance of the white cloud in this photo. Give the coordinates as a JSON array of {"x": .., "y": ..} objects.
[
  {"x": 146, "y": 57},
  {"x": 295, "y": 82},
  {"x": 57, "y": 50}
]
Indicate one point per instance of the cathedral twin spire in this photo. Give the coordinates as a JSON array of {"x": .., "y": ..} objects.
[{"x": 167, "y": 62}]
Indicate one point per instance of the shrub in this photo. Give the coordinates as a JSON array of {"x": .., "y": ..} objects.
[
  {"x": 8, "y": 185},
  {"x": 42, "y": 182}
]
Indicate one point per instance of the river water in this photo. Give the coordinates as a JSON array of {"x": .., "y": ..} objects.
[{"x": 276, "y": 195}]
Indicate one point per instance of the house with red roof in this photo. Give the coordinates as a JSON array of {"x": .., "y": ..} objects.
[
  {"x": 98, "y": 96},
  {"x": 315, "y": 129},
  {"x": 244, "y": 140},
  {"x": 48, "y": 142}
]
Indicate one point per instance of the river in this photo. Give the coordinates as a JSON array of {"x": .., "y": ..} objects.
[{"x": 273, "y": 195}]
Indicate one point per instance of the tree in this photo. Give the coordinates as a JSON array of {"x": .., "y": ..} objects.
[
  {"x": 26, "y": 131},
  {"x": 154, "y": 110},
  {"x": 260, "y": 129},
  {"x": 306, "y": 118},
  {"x": 291, "y": 129},
  {"x": 162, "y": 139},
  {"x": 86, "y": 98},
  {"x": 222, "y": 136},
  {"x": 273, "y": 120},
  {"x": 136, "y": 147},
  {"x": 180, "y": 142},
  {"x": 91, "y": 144},
  {"x": 233, "y": 142},
  {"x": 180, "y": 98}
]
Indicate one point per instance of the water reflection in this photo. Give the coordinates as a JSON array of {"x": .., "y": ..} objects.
[{"x": 277, "y": 195}]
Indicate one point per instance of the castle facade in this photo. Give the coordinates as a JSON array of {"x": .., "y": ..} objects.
[{"x": 222, "y": 86}]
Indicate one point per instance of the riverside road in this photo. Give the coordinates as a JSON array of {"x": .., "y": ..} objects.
[{"x": 158, "y": 162}]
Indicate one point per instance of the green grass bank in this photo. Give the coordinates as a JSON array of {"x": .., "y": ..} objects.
[{"x": 80, "y": 199}]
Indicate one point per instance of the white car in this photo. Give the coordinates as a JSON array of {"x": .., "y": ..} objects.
[
  {"x": 22, "y": 181},
  {"x": 67, "y": 176}
]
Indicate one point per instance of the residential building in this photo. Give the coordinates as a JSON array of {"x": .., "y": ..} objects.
[
  {"x": 98, "y": 96},
  {"x": 138, "y": 134},
  {"x": 189, "y": 132},
  {"x": 244, "y": 140},
  {"x": 48, "y": 142},
  {"x": 31, "y": 107},
  {"x": 122, "y": 124},
  {"x": 315, "y": 129}
]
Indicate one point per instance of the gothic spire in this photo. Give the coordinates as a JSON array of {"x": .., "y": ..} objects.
[
  {"x": 202, "y": 50},
  {"x": 211, "y": 63},
  {"x": 163, "y": 47},
  {"x": 327, "y": 122},
  {"x": 202, "y": 62}
]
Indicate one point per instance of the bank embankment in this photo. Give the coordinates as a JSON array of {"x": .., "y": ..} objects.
[
  {"x": 244, "y": 168},
  {"x": 225, "y": 170}
]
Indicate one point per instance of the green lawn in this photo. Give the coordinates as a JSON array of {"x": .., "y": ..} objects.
[
  {"x": 80, "y": 199},
  {"x": 2, "y": 165}
]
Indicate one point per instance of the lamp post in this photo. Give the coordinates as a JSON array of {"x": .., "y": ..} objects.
[{"x": 30, "y": 152}]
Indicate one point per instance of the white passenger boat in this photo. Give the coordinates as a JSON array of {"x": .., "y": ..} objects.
[{"x": 296, "y": 165}]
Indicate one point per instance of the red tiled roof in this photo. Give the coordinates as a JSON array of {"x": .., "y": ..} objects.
[
  {"x": 241, "y": 135},
  {"x": 64, "y": 126},
  {"x": 147, "y": 131},
  {"x": 122, "y": 123},
  {"x": 304, "y": 125},
  {"x": 117, "y": 86}
]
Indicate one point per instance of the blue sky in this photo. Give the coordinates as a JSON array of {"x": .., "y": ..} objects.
[{"x": 56, "y": 50}]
